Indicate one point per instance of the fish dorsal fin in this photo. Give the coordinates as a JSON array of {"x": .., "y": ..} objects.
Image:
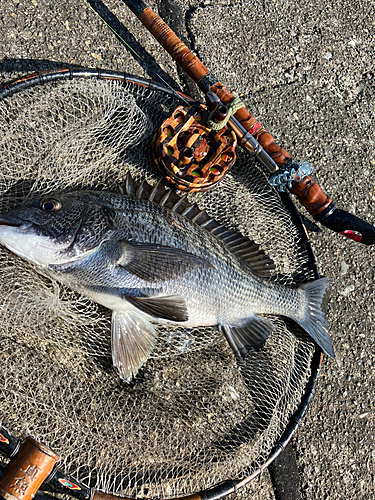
[
  {"x": 246, "y": 250},
  {"x": 170, "y": 199},
  {"x": 239, "y": 245},
  {"x": 249, "y": 252}
]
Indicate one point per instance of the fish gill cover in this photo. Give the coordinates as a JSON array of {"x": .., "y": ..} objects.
[{"x": 193, "y": 416}]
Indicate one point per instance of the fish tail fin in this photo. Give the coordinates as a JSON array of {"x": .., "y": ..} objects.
[
  {"x": 133, "y": 339},
  {"x": 315, "y": 324}
]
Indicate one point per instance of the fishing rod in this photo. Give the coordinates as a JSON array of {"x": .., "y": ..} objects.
[{"x": 192, "y": 158}]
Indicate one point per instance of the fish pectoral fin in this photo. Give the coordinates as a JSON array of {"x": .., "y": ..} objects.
[
  {"x": 133, "y": 339},
  {"x": 251, "y": 336},
  {"x": 170, "y": 307},
  {"x": 151, "y": 262}
]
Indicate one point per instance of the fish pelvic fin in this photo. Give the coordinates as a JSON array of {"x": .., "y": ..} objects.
[
  {"x": 170, "y": 307},
  {"x": 249, "y": 337},
  {"x": 315, "y": 324},
  {"x": 133, "y": 339}
]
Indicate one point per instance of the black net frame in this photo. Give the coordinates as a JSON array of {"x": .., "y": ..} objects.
[{"x": 10, "y": 445}]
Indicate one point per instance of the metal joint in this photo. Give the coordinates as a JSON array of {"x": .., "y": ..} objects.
[{"x": 289, "y": 173}]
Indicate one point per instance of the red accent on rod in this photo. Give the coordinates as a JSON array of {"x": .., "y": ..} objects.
[
  {"x": 255, "y": 128},
  {"x": 351, "y": 235}
]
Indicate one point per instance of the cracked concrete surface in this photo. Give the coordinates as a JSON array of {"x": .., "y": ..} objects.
[{"x": 306, "y": 71}]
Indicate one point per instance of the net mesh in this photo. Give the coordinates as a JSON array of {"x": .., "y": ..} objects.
[{"x": 193, "y": 416}]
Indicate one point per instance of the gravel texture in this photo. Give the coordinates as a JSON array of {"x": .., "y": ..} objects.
[{"x": 306, "y": 71}]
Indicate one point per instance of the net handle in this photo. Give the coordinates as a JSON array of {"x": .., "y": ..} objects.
[{"x": 27, "y": 471}]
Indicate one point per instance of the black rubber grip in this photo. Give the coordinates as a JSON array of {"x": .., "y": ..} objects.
[{"x": 347, "y": 224}]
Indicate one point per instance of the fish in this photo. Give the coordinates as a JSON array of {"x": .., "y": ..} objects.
[{"x": 151, "y": 256}]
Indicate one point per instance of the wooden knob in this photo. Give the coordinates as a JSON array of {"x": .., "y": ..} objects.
[{"x": 311, "y": 196}]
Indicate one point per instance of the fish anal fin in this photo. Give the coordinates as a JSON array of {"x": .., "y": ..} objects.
[
  {"x": 133, "y": 339},
  {"x": 251, "y": 336},
  {"x": 169, "y": 307}
]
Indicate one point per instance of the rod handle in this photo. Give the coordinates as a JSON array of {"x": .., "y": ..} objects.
[
  {"x": 278, "y": 154},
  {"x": 172, "y": 44}
]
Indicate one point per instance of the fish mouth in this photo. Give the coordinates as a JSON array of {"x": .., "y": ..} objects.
[
  {"x": 14, "y": 221},
  {"x": 10, "y": 220}
]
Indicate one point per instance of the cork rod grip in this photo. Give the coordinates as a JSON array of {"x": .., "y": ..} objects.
[
  {"x": 249, "y": 123},
  {"x": 172, "y": 44}
]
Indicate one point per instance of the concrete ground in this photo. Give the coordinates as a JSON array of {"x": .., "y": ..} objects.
[{"x": 306, "y": 71}]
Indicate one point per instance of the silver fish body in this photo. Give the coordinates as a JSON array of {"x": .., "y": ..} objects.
[{"x": 148, "y": 263}]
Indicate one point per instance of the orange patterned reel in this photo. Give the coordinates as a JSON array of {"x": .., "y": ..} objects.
[{"x": 189, "y": 153}]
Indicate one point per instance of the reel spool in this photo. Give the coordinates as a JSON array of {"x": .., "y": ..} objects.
[{"x": 189, "y": 153}]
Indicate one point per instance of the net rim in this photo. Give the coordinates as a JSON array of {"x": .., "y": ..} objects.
[
  {"x": 40, "y": 77},
  {"x": 70, "y": 486}
]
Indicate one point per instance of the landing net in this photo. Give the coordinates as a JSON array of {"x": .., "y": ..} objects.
[{"x": 194, "y": 416}]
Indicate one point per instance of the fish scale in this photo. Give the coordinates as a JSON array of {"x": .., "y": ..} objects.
[{"x": 151, "y": 257}]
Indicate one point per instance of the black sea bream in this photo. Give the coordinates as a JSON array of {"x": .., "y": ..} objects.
[{"x": 150, "y": 257}]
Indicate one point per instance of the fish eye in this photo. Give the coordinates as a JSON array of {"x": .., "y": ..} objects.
[{"x": 50, "y": 205}]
